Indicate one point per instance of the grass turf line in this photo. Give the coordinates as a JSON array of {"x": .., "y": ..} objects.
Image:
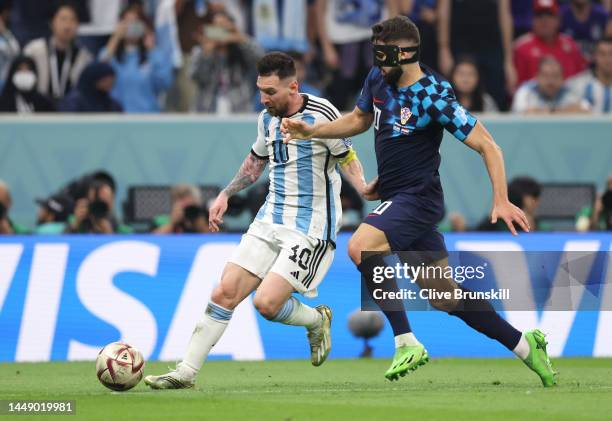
[{"x": 445, "y": 389}]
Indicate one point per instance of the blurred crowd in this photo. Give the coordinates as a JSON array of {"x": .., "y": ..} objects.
[
  {"x": 149, "y": 56},
  {"x": 87, "y": 205}
]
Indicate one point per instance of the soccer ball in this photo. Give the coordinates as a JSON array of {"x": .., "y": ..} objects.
[{"x": 119, "y": 366}]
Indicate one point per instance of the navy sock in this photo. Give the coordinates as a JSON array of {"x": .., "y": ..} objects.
[
  {"x": 481, "y": 316},
  {"x": 393, "y": 310}
]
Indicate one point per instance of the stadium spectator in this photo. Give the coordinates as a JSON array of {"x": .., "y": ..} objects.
[
  {"x": 30, "y": 19},
  {"x": 19, "y": 94},
  {"x": 93, "y": 213},
  {"x": 53, "y": 212},
  {"x": 94, "y": 33},
  {"x": 522, "y": 16},
  {"x": 585, "y": 22},
  {"x": 599, "y": 216},
  {"x": 188, "y": 214},
  {"x": 92, "y": 94},
  {"x": 143, "y": 71},
  {"x": 223, "y": 66},
  {"x": 545, "y": 40},
  {"x": 547, "y": 93},
  {"x": 483, "y": 30},
  {"x": 304, "y": 86},
  {"x": 523, "y": 192},
  {"x": 59, "y": 59},
  {"x": 9, "y": 47},
  {"x": 7, "y": 226},
  {"x": 423, "y": 14},
  {"x": 595, "y": 85},
  {"x": 468, "y": 88},
  {"x": 189, "y": 19},
  {"x": 344, "y": 31},
  {"x": 281, "y": 25}
]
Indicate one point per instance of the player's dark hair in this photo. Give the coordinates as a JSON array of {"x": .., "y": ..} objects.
[
  {"x": 395, "y": 29},
  {"x": 276, "y": 63}
]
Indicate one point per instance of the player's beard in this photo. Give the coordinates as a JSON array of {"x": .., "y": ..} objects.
[
  {"x": 393, "y": 76},
  {"x": 279, "y": 110}
]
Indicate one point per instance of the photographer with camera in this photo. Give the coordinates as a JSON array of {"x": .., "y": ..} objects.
[
  {"x": 223, "y": 64},
  {"x": 53, "y": 212},
  {"x": 93, "y": 212},
  {"x": 187, "y": 215},
  {"x": 7, "y": 227}
]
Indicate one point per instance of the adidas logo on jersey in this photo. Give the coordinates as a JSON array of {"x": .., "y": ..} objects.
[{"x": 296, "y": 275}]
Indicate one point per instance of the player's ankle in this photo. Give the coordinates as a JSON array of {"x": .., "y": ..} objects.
[
  {"x": 406, "y": 339},
  {"x": 185, "y": 371}
]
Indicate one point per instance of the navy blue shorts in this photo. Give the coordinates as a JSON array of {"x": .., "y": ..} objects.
[{"x": 409, "y": 220}]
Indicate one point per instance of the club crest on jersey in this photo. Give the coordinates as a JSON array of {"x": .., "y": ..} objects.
[{"x": 405, "y": 115}]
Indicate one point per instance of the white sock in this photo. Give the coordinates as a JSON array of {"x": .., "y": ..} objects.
[
  {"x": 406, "y": 339},
  {"x": 296, "y": 313},
  {"x": 205, "y": 335},
  {"x": 522, "y": 348}
]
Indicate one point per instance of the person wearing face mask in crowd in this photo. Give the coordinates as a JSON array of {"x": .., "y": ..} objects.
[
  {"x": 92, "y": 94},
  {"x": 19, "y": 94},
  {"x": 59, "y": 59},
  {"x": 142, "y": 70}
]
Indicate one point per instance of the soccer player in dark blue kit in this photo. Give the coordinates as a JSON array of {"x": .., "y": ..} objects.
[{"x": 410, "y": 106}]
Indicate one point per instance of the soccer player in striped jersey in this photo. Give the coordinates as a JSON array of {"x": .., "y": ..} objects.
[
  {"x": 290, "y": 245},
  {"x": 410, "y": 106}
]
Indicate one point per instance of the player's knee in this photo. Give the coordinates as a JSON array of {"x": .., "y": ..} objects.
[
  {"x": 445, "y": 305},
  {"x": 225, "y": 296},
  {"x": 354, "y": 250},
  {"x": 267, "y": 307}
]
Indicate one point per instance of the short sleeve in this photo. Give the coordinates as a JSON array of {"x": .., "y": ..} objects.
[
  {"x": 339, "y": 148},
  {"x": 259, "y": 148},
  {"x": 446, "y": 110},
  {"x": 364, "y": 103}
]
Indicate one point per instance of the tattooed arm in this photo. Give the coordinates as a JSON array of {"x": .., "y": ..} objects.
[{"x": 249, "y": 172}]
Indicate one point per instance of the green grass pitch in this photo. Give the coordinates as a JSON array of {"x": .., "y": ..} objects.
[{"x": 445, "y": 389}]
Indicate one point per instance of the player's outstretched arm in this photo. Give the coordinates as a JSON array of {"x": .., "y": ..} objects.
[
  {"x": 250, "y": 170},
  {"x": 348, "y": 125},
  {"x": 353, "y": 171},
  {"x": 482, "y": 142}
]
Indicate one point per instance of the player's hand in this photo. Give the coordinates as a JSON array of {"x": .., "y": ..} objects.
[
  {"x": 216, "y": 212},
  {"x": 370, "y": 191},
  {"x": 510, "y": 214},
  {"x": 294, "y": 129}
]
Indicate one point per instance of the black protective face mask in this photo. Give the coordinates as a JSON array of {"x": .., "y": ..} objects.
[{"x": 389, "y": 55}]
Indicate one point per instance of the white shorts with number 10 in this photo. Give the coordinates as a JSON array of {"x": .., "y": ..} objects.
[{"x": 302, "y": 260}]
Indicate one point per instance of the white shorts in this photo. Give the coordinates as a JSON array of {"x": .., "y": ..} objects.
[{"x": 301, "y": 260}]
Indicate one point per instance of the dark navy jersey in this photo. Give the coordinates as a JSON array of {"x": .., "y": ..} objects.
[{"x": 409, "y": 124}]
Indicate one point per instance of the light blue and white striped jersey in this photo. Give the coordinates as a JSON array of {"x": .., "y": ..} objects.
[
  {"x": 593, "y": 91},
  {"x": 304, "y": 179}
]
